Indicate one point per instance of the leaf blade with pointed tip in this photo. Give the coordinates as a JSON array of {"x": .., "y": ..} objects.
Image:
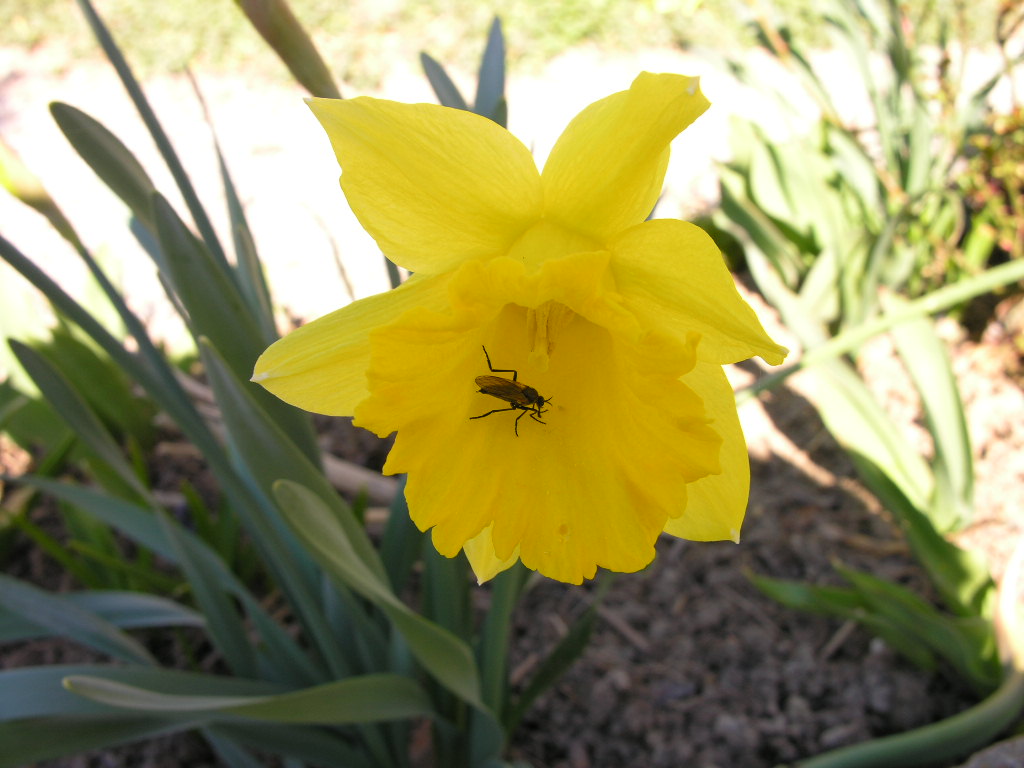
[{"x": 447, "y": 92}]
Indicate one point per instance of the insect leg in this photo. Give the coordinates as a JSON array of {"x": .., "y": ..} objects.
[
  {"x": 525, "y": 411},
  {"x": 496, "y": 410},
  {"x": 513, "y": 371}
]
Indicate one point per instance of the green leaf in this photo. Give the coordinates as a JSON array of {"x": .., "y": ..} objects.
[
  {"x": 216, "y": 309},
  {"x": 61, "y": 618},
  {"x": 149, "y": 367},
  {"x": 442, "y": 654},
  {"x": 18, "y": 179},
  {"x": 163, "y": 144},
  {"x": 966, "y": 643},
  {"x": 930, "y": 304},
  {"x": 490, "y": 88},
  {"x": 29, "y": 741},
  {"x": 276, "y": 23},
  {"x": 214, "y": 305},
  {"x": 446, "y": 591},
  {"x": 313, "y": 744},
  {"x": 109, "y": 158},
  {"x": 960, "y": 576},
  {"x": 364, "y": 699},
  {"x": 845, "y": 603},
  {"x": 229, "y": 752},
  {"x": 125, "y": 610},
  {"x": 263, "y": 454},
  {"x": 562, "y": 656},
  {"x": 867, "y": 433},
  {"x": 402, "y": 541},
  {"x": 447, "y": 93},
  {"x": 248, "y": 269},
  {"x": 835, "y": 601},
  {"x": 77, "y": 414},
  {"x": 102, "y": 383},
  {"x": 286, "y": 662},
  {"x": 492, "y": 649},
  {"x": 223, "y": 623},
  {"x": 270, "y": 455},
  {"x": 38, "y": 692},
  {"x": 927, "y": 362}
]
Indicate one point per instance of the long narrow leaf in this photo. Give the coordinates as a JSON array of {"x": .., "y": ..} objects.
[
  {"x": 285, "y": 662},
  {"x": 490, "y": 86},
  {"x": 215, "y": 307},
  {"x": 568, "y": 649},
  {"x": 366, "y": 699},
  {"x": 928, "y": 364},
  {"x": 77, "y": 413},
  {"x": 111, "y": 160},
  {"x": 447, "y": 92},
  {"x": 223, "y": 623},
  {"x": 151, "y": 370},
  {"x": 314, "y": 744},
  {"x": 160, "y": 138},
  {"x": 937, "y": 301},
  {"x": 270, "y": 455},
  {"x": 274, "y": 20},
  {"x": 61, "y": 618},
  {"x": 865, "y": 431},
  {"x": 125, "y": 610},
  {"x": 26, "y": 742},
  {"x": 441, "y": 653},
  {"x": 265, "y": 454},
  {"x": 34, "y": 692}
]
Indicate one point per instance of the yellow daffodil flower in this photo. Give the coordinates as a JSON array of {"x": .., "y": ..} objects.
[{"x": 603, "y": 335}]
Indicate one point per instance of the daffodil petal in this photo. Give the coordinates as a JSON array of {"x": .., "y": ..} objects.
[
  {"x": 672, "y": 277},
  {"x": 480, "y": 553},
  {"x": 716, "y": 504},
  {"x": 605, "y": 172},
  {"x": 433, "y": 185},
  {"x": 321, "y": 366}
]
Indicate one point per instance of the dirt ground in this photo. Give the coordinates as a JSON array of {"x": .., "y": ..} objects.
[{"x": 690, "y": 665}]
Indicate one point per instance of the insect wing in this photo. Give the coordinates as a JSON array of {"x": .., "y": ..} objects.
[{"x": 503, "y": 389}]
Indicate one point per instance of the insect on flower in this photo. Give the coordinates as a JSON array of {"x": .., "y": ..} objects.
[{"x": 519, "y": 396}]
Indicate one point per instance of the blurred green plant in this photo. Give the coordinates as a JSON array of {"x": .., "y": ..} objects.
[
  {"x": 993, "y": 183},
  {"x": 837, "y": 228},
  {"x": 355, "y": 674}
]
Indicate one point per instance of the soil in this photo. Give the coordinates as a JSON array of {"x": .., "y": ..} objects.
[{"x": 690, "y": 665}]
